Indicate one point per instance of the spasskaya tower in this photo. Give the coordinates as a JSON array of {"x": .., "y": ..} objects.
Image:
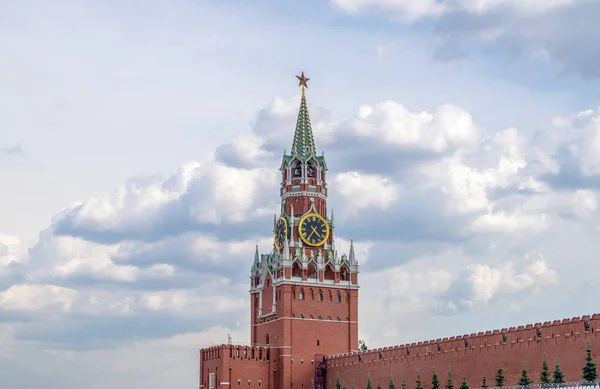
[{"x": 304, "y": 295}]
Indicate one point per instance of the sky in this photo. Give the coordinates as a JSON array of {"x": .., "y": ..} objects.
[{"x": 139, "y": 148}]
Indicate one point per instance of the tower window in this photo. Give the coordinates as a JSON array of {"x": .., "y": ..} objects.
[
  {"x": 301, "y": 295},
  {"x": 338, "y": 318},
  {"x": 338, "y": 297},
  {"x": 320, "y": 296},
  {"x": 318, "y": 342},
  {"x": 301, "y": 316},
  {"x": 320, "y": 317}
]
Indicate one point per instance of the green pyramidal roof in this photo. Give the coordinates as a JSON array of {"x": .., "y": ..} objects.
[{"x": 304, "y": 142}]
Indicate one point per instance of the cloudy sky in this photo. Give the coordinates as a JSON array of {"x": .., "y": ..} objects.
[{"x": 139, "y": 147}]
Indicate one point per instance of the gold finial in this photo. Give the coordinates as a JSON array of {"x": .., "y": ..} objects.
[{"x": 302, "y": 81}]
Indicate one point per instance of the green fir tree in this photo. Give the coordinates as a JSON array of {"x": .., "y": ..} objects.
[
  {"x": 484, "y": 383},
  {"x": 362, "y": 346},
  {"x": 449, "y": 384},
  {"x": 558, "y": 375},
  {"x": 463, "y": 384},
  {"x": 369, "y": 386},
  {"x": 435, "y": 382},
  {"x": 391, "y": 385},
  {"x": 524, "y": 380},
  {"x": 500, "y": 377},
  {"x": 338, "y": 384},
  {"x": 403, "y": 384},
  {"x": 590, "y": 373},
  {"x": 419, "y": 384},
  {"x": 545, "y": 372}
]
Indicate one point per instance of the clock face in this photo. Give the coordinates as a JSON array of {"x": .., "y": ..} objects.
[
  {"x": 313, "y": 229},
  {"x": 280, "y": 232}
]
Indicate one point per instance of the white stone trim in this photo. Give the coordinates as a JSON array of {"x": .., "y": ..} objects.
[
  {"x": 305, "y": 319},
  {"x": 303, "y": 193}
]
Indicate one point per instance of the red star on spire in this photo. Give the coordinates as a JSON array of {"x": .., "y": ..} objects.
[{"x": 302, "y": 80}]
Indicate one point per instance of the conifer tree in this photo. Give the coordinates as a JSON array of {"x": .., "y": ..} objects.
[
  {"x": 449, "y": 384},
  {"x": 590, "y": 373},
  {"x": 391, "y": 385},
  {"x": 500, "y": 377},
  {"x": 403, "y": 383},
  {"x": 524, "y": 380},
  {"x": 463, "y": 384},
  {"x": 338, "y": 384},
  {"x": 484, "y": 383},
  {"x": 435, "y": 382},
  {"x": 545, "y": 372},
  {"x": 419, "y": 383},
  {"x": 558, "y": 375},
  {"x": 369, "y": 386}
]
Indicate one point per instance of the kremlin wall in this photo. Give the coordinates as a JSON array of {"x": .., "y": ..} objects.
[{"x": 473, "y": 356}]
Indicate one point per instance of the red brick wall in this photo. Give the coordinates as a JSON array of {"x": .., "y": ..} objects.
[
  {"x": 235, "y": 367},
  {"x": 565, "y": 340},
  {"x": 267, "y": 296}
]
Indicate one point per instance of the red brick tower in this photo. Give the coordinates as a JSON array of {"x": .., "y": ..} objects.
[{"x": 304, "y": 297}]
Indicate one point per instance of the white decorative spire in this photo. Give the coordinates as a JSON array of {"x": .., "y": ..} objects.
[
  {"x": 256, "y": 256},
  {"x": 286, "y": 249},
  {"x": 332, "y": 220},
  {"x": 351, "y": 256}
]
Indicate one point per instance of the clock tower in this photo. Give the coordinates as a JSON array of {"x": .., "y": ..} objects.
[{"x": 304, "y": 295}]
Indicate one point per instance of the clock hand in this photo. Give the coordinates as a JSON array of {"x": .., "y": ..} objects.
[{"x": 314, "y": 229}]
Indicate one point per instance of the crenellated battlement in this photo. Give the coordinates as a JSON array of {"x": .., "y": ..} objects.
[
  {"x": 234, "y": 352},
  {"x": 529, "y": 335}
]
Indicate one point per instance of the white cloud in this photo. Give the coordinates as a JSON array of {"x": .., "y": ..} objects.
[
  {"x": 364, "y": 191},
  {"x": 413, "y": 10},
  {"x": 391, "y": 123},
  {"x": 480, "y": 283},
  {"x": 37, "y": 297},
  {"x": 9, "y": 251}
]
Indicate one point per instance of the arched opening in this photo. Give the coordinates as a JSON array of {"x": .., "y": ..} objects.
[
  {"x": 320, "y": 296},
  {"x": 338, "y": 297},
  {"x": 329, "y": 272},
  {"x": 312, "y": 270},
  {"x": 296, "y": 269},
  {"x": 297, "y": 169},
  {"x": 312, "y": 294},
  {"x": 311, "y": 171},
  {"x": 267, "y": 339},
  {"x": 301, "y": 295},
  {"x": 345, "y": 273}
]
